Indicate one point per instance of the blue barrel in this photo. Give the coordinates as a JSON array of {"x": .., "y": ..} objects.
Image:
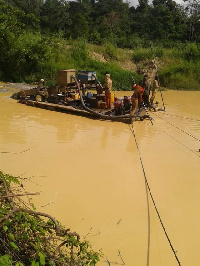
[{"x": 89, "y": 95}]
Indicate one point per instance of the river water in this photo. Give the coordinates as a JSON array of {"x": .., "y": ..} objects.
[{"x": 89, "y": 176}]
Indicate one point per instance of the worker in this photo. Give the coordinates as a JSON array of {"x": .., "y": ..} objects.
[
  {"x": 42, "y": 90},
  {"x": 146, "y": 87},
  {"x": 136, "y": 98},
  {"x": 140, "y": 91},
  {"x": 108, "y": 89},
  {"x": 99, "y": 89},
  {"x": 154, "y": 90},
  {"x": 83, "y": 90},
  {"x": 41, "y": 84}
]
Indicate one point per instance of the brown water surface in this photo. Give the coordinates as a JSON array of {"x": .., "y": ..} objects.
[{"x": 90, "y": 176}]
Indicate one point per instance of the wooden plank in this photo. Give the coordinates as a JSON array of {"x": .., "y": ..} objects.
[{"x": 70, "y": 109}]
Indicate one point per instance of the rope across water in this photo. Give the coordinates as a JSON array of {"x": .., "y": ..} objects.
[
  {"x": 154, "y": 204},
  {"x": 178, "y": 141},
  {"x": 178, "y": 128}
]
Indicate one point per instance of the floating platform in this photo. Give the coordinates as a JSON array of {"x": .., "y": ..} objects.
[{"x": 87, "y": 112}]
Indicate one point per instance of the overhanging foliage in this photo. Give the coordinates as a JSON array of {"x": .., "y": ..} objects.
[{"x": 28, "y": 237}]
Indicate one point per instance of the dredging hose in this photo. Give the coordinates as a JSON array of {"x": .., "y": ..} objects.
[
  {"x": 97, "y": 80},
  {"x": 104, "y": 116}
]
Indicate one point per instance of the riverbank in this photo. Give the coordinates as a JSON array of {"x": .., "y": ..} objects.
[
  {"x": 17, "y": 86},
  {"x": 177, "y": 67}
]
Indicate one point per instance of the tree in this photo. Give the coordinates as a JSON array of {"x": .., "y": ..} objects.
[
  {"x": 79, "y": 27},
  {"x": 30, "y": 9},
  {"x": 28, "y": 6},
  {"x": 11, "y": 26},
  {"x": 111, "y": 20},
  {"x": 140, "y": 19},
  {"x": 55, "y": 16},
  {"x": 193, "y": 9},
  {"x": 167, "y": 20},
  {"x": 143, "y": 5}
]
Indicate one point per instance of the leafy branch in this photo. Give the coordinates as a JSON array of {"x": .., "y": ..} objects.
[{"x": 29, "y": 237}]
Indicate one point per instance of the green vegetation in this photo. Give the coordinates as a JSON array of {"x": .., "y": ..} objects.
[
  {"x": 29, "y": 237},
  {"x": 180, "y": 68},
  {"x": 38, "y": 37}
]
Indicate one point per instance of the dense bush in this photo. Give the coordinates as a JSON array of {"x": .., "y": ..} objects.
[
  {"x": 29, "y": 57},
  {"x": 141, "y": 54},
  {"x": 121, "y": 78},
  {"x": 79, "y": 51},
  {"x": 110, "y": 51},
  {"x": 192, "y": 52},
  {"x": 182, "y": 75},
  {"x": 158, "y": 51},
  {"x": 29, "y": 237},
  {"x": 187, "y": 51}
]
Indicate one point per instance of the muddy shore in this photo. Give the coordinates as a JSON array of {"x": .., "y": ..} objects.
[{"x": 20, "y": 86}]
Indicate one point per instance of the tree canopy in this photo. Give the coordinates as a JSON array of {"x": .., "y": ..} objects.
[
  {"x": 29, "y": 30},
  {"x": 108, "y": 20}
]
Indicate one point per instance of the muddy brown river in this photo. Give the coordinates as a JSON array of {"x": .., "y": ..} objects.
[{"x": 89, "y": 176}]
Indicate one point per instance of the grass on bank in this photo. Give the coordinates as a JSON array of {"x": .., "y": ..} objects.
[
  {"x": 179, "y": 68},
  {"x": 78, "y": 57},
  {"x": 34, "y": 56}
]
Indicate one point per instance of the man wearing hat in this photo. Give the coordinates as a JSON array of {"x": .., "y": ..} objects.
[
  {"x": 136, "y": 98},
  {"x": 41, "y": 84}
]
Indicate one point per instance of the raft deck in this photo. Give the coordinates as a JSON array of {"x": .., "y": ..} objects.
[{"x": 97, "y": 114}]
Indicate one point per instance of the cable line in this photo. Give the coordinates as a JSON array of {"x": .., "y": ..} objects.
[
  {"x": 149, "y": 225},
  {"x": 182, "y": 117},
  {"x": 179, "y": 142},
  {"x": 178, "y": 128},
  {"x": 148, "y": 204},
  {"x": 146, "y": 110},
  {"x": 151, "y": 196}
]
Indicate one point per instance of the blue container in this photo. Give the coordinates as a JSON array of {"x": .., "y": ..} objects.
[
  {"x": 89, "y": 95},
  {"x": 85, "y": 76}
]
